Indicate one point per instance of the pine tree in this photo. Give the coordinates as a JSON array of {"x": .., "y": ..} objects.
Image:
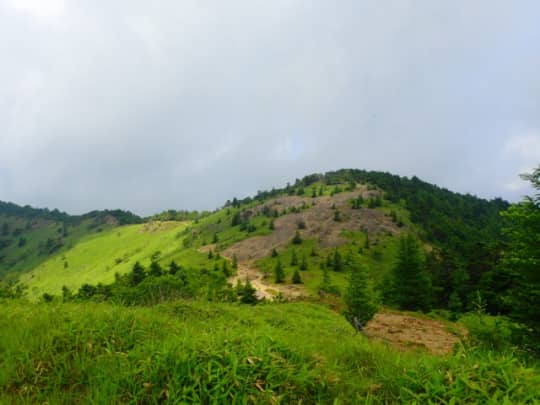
[
  {"x": 412, "y": 284},
  {"x": 296, "y": 279},
  {"x": 360, "y": 306},
  {"x": 274, "y": 252},
  {"x": 249, "y": 293},
  {"x": 271, "y": 225},
  {"x": 367, "y": 244},
  {"x": 279, "y": 273},
  {"x": 210, "y": 254},
  {"x": 137, "y": 274},
  {"x": 225, "y": 269},
  {"x": 155, "y": 270},
  {"x": 313, "y": 252},
  {"x": 173, "y": 268},
  {"x": 337, "y": 261},
  {"x": 297, "y": 240},
  {"x": 235, "y": 262},
  {"x": 294, "y": 258},
  {"x": 303, "y": 263},
  {"x": 522, "y": 256},
  {"x": 215, "y": 239}
]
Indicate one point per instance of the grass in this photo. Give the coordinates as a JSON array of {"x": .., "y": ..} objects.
[
  {"x": 97, "y": 258},
  {"x": 16, "y": 259},
  {"x": 198, "y": 352},
  {"x": 379, "y": 260}
]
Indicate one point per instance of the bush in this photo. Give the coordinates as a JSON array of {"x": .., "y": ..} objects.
[{"x": 491, "y": 332}]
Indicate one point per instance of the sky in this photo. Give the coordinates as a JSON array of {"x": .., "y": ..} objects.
[{"x": 148, "y": 106}]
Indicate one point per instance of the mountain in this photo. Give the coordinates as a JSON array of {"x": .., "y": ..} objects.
[
  {"x": 267, "y": 300},
  {"x": 347, "y": 215}
]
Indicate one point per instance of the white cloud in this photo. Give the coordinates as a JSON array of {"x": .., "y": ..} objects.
[{"x": 42, "y": 10}]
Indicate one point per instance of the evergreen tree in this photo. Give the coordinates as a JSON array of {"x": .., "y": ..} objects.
[
  {"x": 210, "y": 254},
  {"x": 294, "y": 258},
  {"x": 225, "y": 269},
  {"x": 411, "y": 282},
  {"x": 236, "y": 219},
  {"x": 173, "y": 268},
  {"x": 366, "y": 243},
  {"x": 337, "y": 261},
  {"x": 155, "y": 269},
  {"x": 313, "y": 252},
  {"x": 360, "y": 306},
  {"x": 303, "y": 263},
  {"x": 296, "y": 279},
  {"x": 271, "y": 225},
  {"x": 215, "y": 239},
  {"x": 274, "y": 252},
  {"x": 137, "y": 274},
  {"x": 522, "y": 257},
  {"x": 279, "y": 273},
  {"x": 235, "y": 262},
  {"x": 297, "y": 240},
  {"x": 337, "y": 216},
  {"x": 249, "y": 294}
]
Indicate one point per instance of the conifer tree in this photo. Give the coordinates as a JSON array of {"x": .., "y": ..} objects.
[
  {"x": 337, "y": 261},
  {"x": 235, "y": 262},
  {"x": 313, "y": 252},
  {"x": 155, "y": 269},
  {"x": 358, "y": 298},
  {"x": 297, "y": 240},
  {"x": 412, "y": 284},
  {"x": 173, "y": 268},
  {"x": 296, "y": 279},
  {"x": 249, "y": 293},
  {"x": 294, "y": 258},
  {"x": 274, "y": 252},
  {"x": 303, "y": 263},
  {"x": 279, "y": 273},
  {"x": 210, "y": 254},
  {"x": 137, "y": 274},
  {"x": 225, "y": 269},
  {"x": 522, "y": 256}
]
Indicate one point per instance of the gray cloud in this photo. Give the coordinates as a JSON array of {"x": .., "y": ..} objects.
[{"x": 186, "y": 104}]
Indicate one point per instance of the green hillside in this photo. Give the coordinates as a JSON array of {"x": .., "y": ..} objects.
[
  {"x": 96, "y": 258},
  {"x": 29, "y": 236}
]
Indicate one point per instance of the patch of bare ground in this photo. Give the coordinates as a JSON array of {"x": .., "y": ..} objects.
[
  {"x": 265, "y": 288},
  {"x": 318, "y": 217},
  {"x": 407, "y": 332}
]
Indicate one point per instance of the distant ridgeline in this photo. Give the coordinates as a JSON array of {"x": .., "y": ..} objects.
[
  {"x": 30, "y": 235},
  {"x": 463, "y": 232}
]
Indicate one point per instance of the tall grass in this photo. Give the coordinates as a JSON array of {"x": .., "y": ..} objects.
[{"x": 198, "y": 352}]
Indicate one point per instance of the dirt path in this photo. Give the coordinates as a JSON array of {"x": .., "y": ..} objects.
[
  {"x": 265, "y": 288},
  {"x": 408, "y": 332}
]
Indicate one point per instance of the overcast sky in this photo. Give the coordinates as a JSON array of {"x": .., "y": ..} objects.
[{"x": 147, "y": 105}]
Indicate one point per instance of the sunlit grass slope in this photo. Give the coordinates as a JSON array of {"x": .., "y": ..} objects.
[
  {"x": 97, "y": 258},
  {"x": 193, "y": 352}
]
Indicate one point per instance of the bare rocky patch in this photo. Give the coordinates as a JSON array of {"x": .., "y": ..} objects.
[{"x": 411, "y": 333}]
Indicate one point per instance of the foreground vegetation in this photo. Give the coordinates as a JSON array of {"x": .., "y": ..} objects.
[{"x": 200, "y": 352}]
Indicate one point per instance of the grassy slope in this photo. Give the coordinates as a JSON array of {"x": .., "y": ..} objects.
[
  {"x": 229, "y": 353},
  {"x": 98, "y": 257},
  {"x": 19, "y": 259}
]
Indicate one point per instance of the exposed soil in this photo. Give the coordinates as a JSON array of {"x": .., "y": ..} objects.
[
  {"x": 265, "y": 288},
  {"x": 407, "y": 332},
  {"x": 318, "y": 217}
]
